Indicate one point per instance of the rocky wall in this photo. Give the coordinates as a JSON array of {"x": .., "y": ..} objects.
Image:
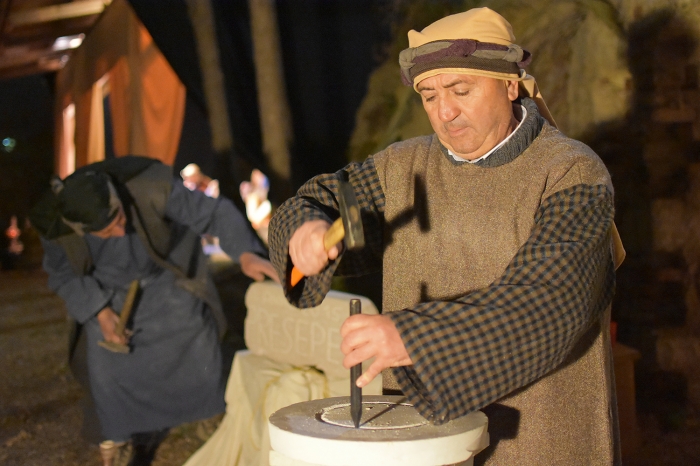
[{"x": 622, "y": 75}]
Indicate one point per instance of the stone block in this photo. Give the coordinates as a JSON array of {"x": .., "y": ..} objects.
[
  {"x": 301, "y": 337},
  {"x": 660, "y": 150},
  {"x": 694, "y": 392},
  {"x": 678, "y": 350},
  {"x": 693, "y": 194},
  {"x": 674, "y": 115},
  {"x": 668, "y": 224}
]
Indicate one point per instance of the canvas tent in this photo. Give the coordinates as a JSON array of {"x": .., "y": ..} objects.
[{"x": 118, "y": 76}]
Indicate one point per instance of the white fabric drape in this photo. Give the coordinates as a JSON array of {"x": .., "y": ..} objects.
[{"x": 257, "y": 387}]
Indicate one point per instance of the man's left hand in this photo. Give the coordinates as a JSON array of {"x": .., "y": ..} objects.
[
  {"x": 256, "y": 267},
  {"x": 372, "y": 336}
]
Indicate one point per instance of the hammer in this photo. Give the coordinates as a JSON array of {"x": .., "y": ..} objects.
[
  {"x": 123, "y": 319},
  {"x": 348, "y": 226}
]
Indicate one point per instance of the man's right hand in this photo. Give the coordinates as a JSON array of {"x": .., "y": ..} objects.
[
  {"x": 108, "y": 320},
  {"x": 306, "y": 247}
]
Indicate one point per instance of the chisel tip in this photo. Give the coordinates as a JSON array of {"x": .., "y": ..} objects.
[{"x": 356, "y": 409}]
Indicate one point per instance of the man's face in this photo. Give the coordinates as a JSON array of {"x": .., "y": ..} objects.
[
  {"x": 470, "y": 114},
  {"x": 116, "y": 228}
]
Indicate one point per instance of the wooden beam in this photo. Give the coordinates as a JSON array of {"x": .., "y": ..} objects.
[
  {"x": 31, "y": 68},
  {"x": 4, "y": 10},
  {"x": 57, "y": 12}
]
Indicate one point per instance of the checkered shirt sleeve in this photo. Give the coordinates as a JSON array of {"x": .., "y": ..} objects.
[
  {"x": 317, "y": 199},
  {"x": 473, "y": 350}
]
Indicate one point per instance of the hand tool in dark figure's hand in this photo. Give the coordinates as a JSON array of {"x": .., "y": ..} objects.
[
  {"x": 123, "y": 319},
  {"x": 355, "y": 373},
  {"x": 348, "y": 226}
]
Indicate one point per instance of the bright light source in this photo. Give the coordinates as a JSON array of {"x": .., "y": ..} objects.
[
  {"x": 68, "y": 42},
  {"x": 8, "y": 144}
]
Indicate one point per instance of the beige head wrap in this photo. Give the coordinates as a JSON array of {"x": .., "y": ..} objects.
[{"x": 478, "y": 42}]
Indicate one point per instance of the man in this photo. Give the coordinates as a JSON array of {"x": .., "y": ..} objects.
[
  {"x": 127, "y": 219},
  {"x": 495, "y": 239}
]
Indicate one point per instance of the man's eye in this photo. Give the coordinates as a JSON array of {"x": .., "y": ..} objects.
[
  {"x": 429, "y": 98},
  {"x": 461, "y": 93}
]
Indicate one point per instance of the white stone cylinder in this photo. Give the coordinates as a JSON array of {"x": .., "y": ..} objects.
[{"x": 391, "y": 433}]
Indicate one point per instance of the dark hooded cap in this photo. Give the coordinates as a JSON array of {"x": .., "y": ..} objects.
[{"x": 88, "y": 201}]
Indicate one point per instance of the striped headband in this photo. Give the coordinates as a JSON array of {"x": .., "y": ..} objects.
[{"x": 505, "y": 60}]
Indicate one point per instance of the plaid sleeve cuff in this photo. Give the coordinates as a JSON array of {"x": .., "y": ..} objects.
[
  {"x": 288, "y": 217},
  {"x": 480, "y": 347},
  {"x": 317, "y": 199}
]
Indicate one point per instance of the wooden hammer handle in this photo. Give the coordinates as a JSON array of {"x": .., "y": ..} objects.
[
  {"x": 126, "y": 308},
  {"x": 333, "y": 236}
]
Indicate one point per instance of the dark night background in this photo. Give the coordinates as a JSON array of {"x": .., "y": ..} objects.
[
  {"x": 26, "y": 115},
  {"x": 329, "y": 49}
]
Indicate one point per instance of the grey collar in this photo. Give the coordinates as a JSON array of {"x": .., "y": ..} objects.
[{"x": 516, "y": 145}]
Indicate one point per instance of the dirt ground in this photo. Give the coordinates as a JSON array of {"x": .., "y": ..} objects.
[
  {"x": 40, "y": 417},
  {"x": 39, "y": 414}
]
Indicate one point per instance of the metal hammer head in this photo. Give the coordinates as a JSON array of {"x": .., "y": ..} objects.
[{"x": 350, "y": 213}]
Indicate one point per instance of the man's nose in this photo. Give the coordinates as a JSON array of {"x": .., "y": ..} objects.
[{"x": 447, "y": 111}]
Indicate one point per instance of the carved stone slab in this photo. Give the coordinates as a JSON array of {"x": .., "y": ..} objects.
[
  {"x": 391, "y": 433},
  {"x": 301, "y": 337}
]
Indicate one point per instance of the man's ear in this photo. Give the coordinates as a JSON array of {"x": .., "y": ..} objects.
[{"x": 512, "y": 87}]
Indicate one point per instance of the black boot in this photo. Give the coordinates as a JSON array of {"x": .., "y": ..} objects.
[{"x": 145, "y": 445}]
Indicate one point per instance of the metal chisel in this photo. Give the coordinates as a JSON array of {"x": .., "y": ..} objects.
[{"x": 355, "y": 373}]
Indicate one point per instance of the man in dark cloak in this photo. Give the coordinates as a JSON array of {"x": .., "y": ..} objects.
[{"x": 129, "y": 219}]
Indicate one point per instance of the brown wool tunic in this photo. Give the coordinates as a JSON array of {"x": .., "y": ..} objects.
[{"x": 467, "y": 223}]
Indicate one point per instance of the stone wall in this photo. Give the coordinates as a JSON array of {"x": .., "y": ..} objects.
[
  {"x": 622, "y": 75},
  {"x": 670, "y": 104}
]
